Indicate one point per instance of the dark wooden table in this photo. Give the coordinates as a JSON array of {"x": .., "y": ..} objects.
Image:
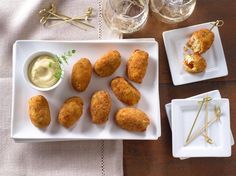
[{"x": 154, "y": 158}]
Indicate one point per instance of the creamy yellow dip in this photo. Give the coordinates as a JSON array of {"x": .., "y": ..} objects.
[{"x": 41, "y": 71}]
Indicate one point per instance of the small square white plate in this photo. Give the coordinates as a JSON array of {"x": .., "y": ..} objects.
[
  {"x": 183, "y": 115},
  {"x": 174, "y": 41},
  {"x": 214, "y": 94},
  {"x": 22, "y": 129}
]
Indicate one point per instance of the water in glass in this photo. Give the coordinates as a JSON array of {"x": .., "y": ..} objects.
[
  {"x": 125, "y": 16},
  {"x": 173, "y": 11}
]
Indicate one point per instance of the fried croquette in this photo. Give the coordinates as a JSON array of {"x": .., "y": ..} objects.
[
  {"x": 70, "y": 111},
  {"x": 201, "y": 40},
  {"x": 125, "y": 91},
  {"x": 100, "y": 107},
  {"x": 81, "y": 74},
  {"x": 137, "y": 66},
  {"x": 107, "y": 64},
  {"x": 39, "y": 112},
  {"x": 132, "y": 119},
  {"x": 194, "y": 63}
]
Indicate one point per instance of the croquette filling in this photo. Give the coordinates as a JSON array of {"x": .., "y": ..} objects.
[{"x": 189, "y": 61}]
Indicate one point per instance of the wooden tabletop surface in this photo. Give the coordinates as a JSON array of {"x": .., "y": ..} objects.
[{"x": 154, "y": 158}]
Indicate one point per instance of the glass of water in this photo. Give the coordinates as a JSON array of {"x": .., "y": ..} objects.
[
  {"x": 173, "y": 11},
  {"x": 125, "y": 16}
]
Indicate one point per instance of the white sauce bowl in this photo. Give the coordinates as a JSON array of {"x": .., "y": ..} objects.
[{"x": 26, "y": 67}]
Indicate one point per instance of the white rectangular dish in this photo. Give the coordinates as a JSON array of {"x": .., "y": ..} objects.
[
  {"x": 183, "y": 115},
  {"x": 175, "y": 40},
  {"x": 21, "y": 127}
]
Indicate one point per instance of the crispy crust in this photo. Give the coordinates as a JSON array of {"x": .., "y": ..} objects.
[
  {"x": 132, "y": 119},
  {"x": 100, "y": 107},
  {"x": 70, "y": 112},
  {"x": 201, "y": 40},
  {"x": 107, "y": 64},
  {"x": 39, "y": 112},
  {"x": 81, "y": 74},
  {"x": 137, "y": 66},
  {"x": 125, "y": 91}
]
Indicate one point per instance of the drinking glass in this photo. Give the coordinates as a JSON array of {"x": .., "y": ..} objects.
[
  {"x": 125, "y": 16},
  {"x": 173, "y": 11}
]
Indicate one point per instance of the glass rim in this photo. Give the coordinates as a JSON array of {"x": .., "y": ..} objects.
[
  {"x": 146, "y": 7},
  {"x": 184, "y": 4}
]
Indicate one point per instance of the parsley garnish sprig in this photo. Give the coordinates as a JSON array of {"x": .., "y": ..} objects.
[{"x": 63, "y": 59}]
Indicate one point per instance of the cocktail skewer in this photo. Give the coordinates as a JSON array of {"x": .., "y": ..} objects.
[
  {"x": 199, "y": 110},
  {"x": 200, "y": 131}
]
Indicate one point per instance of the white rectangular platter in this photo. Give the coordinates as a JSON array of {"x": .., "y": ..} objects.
[{"x": 23, "y": 130}]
